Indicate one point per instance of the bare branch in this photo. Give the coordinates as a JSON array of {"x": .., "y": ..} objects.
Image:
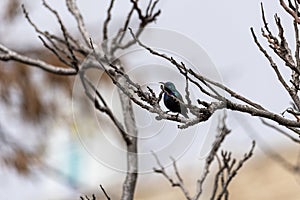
[
  {"x": 254, "y": 108},
  {"x": 281, "y": 49},
  {"x": 233, "y": 173},
  {"x": 66, "y": 35},
  {"x": 219, "y": 175},
  {"x": 280, "y": 131},
  {"x": 87, "y": 198},
  {"x": 181, "y": 67},
  {"x": 108, "y": 17},
  {"x": 222, "y": 133},
  {"x": 7, "y": 54},
  {"x": 104, "y": 107},
  {"x": 121, "y": 80},
  {"x": 57, "y": 51},
  {"x": 150, "y": 16},
  {"x": 103, "y": 190},
  {"x": 122, "y": 31},
  {"x": 145, "y": 19},
  {"x": 178, "y": 183},
  {"x": 176, "y": 170},
  {"x": 295, "y": 76},
  {"x": 71, "y": 4},
  {"x": 292, "y": 12},
  {"x": 46, "y": 34},
  {"x": 132, "y": 156}
]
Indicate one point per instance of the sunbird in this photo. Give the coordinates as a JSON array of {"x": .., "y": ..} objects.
[{"x": 172, "y": 103}]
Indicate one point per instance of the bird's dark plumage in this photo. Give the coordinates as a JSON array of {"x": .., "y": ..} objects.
[{"x": 172, "y": 103}]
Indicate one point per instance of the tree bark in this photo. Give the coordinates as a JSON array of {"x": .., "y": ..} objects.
[{"x": 132, "y": 159}]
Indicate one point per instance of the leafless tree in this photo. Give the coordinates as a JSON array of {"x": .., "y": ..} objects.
[{"x": 72, "y": 51}]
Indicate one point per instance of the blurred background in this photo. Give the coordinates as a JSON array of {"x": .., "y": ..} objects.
[{"x": 54, "y": 145}]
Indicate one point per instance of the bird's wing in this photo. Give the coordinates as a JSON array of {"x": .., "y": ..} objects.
[{"x": 178, "y": 95}]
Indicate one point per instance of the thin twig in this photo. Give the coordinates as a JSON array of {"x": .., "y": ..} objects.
[
  {"x": 280, "y": 131},
  {"x": 72, "y": 7},
  {"x": 246, "y": 157},
  {"x": 66, "y": 35},
  {"x": 179, "y": 183},
  {"x": 108, "y": 17},
  {"x": 103, "y": 190}
]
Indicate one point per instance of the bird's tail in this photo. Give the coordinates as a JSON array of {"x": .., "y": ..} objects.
[{"x": 184, "y": 111}]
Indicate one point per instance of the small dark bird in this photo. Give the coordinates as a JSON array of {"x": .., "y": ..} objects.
[{"x": 170, "y": 102}]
